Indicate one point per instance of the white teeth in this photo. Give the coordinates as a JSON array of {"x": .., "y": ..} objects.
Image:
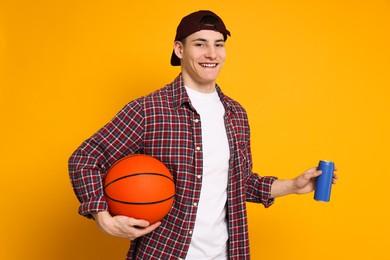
[{"x": 208, "y": 65}]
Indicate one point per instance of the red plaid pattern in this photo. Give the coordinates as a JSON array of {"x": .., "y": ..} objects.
[{"x": 165, "y": 125}]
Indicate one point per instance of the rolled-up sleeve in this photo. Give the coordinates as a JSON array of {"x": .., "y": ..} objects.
[
  {"x": 86, "y": 179},
  {"x": 89, "y": 163},
  {"x": 258, "y": 189}
]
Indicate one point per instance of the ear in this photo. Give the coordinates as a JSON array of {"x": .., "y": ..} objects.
[{"x": 178, "y": 48}]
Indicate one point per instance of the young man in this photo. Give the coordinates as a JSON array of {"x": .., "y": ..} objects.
[{"x": 202, "y": 136}]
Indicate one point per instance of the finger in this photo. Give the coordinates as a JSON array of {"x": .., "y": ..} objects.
[
  {"x": 312, "y": 173},
  {"x": 138, "y": 232},
  {"x": 153, "y": 226},
  {"x": 317, "y": 173},
  {"x": 138, "y": 223},
  {"x": 334, "y": 180}
]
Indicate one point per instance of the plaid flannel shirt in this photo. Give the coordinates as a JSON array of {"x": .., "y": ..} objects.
[{"x": 165, "y": 125}]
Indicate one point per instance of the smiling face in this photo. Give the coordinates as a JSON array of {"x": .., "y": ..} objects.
[{"x": 202, "y": 55}]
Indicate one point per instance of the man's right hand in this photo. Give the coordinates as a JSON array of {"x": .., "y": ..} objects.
[{"x": 122, "y": 226}]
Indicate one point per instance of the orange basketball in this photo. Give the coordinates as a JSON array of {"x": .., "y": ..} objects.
[{"x": 139, "y": 186}]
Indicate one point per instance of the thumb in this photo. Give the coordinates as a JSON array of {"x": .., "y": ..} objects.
[
  {"x": 138, "y": 222},
  {"x": 312, "y": 173}
]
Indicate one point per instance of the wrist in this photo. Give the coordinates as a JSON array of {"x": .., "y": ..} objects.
[
  {"x": 101, "y": 216},
  {"x": 103, "y": 220},
  {"x": 282, "y": 187}
]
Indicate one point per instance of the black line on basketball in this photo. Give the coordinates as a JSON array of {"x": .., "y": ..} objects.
[
  {"x": 133, "y": 175},
  {"x": 140, "y": 203},
  {"x": 137, "y": 174}
]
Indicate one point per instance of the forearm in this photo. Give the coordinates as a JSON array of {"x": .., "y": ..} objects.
[
  {"x": 103, "y": 219},
  {"x": 281, "y": 188},
  {"x": 101, "y": 215},
  {"x": 302, "y": 184}
]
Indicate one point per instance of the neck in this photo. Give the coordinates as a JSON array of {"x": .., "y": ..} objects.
[{"x": 203, "y": 87}]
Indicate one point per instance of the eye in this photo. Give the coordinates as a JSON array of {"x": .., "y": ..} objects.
[{"x": 199, "y": 44}]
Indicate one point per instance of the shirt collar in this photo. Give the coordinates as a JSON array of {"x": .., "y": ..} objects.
[
  {"x": 226, "y": 101},
  {"x": 180, "y": 96},
  {"x": 179, "y": 93}
]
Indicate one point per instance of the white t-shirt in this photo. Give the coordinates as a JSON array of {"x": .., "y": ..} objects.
[{"x": 210, "y": 235}]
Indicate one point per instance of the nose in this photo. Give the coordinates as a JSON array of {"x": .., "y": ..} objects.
[{"x": 211, "y": 52}]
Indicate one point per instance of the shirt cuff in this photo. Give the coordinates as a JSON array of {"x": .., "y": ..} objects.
[
  {"x": 94, "y": 205},
  {"x": 266, "y": 185}
]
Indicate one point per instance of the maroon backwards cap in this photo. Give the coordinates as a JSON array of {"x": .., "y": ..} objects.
[{"x": 193, "y": 23}]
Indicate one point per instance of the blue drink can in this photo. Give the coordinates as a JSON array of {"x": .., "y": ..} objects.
[{"x": 324, "y": 181}]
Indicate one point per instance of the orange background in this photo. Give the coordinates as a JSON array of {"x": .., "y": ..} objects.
[{"x": 313, "y": 76}]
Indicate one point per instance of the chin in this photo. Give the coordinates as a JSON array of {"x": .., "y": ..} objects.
[
  {"x": 211, "y": 77},
  {"x": 207, "y": 81}
]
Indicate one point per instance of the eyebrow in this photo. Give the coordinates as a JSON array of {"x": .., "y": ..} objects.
[{"x": 205, "y": 40}]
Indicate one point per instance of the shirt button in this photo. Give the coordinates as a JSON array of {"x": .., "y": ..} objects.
[
  {"x": 199, "y": 176},
  {"x": 198, "y": 148},
  {"x": 190, "y": 232},
  {"x": 196, "y": 120},
  {"x": 195, "y": 204}
]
